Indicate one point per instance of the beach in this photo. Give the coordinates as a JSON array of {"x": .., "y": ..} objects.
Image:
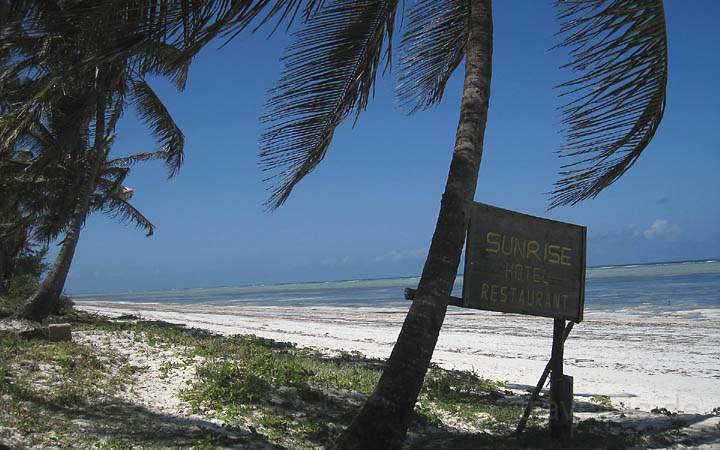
[{"x": 666, "y": 359}]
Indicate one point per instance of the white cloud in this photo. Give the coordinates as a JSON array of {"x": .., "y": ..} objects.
[
  {"x": 399, "y": 255},
  {"x": 335, "y": 261},
  {"x": 662, "y": 229}
]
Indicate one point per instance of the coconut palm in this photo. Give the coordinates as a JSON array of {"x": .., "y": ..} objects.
[
  {"x": 615, "y": 105},
  {"x": 69, "y": 109},
  {"x": 48, "y": 202},
  {"x": 42, "y": 203},
  {"x": 90, "y": 181},
  {"x": 95, "y": 172}
]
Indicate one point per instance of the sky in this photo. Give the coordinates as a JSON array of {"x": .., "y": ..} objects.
[{"x": 369, "y": 209}]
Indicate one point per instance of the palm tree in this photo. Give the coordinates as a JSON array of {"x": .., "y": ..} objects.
[
  {"x": 91, "y": 176},
  {"x": 615, "y": 106},
  {"x": 110, "y": 197},
  {"x": 47, "y": 200},
  {"x": 43, "y": 69},
  {"x": 41, "y": 203}
]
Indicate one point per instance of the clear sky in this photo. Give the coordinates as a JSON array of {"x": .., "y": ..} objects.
[{"x": 369, "y": 210}]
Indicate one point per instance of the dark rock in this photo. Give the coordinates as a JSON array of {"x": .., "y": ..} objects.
[
  {"x": 59, "y": 332},
  {"x": 34, "y": 333},
  {"x": 5, "y": 312}
]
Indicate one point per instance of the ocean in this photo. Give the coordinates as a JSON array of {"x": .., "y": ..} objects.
[{"x": 641, "y": 289}]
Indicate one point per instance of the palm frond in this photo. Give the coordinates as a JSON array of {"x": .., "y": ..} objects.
[
  {"x": 117, "y": 105},
  {"x": 243, "y": 13},
  {"x": 134, "y": 27},
  {"x": 617, "y": 101},
  {"x": 111, "y": 180},
  {"x": 166, "y": 61},
  {"x": 124, "y": 212},
  {"x": 158, "y": 118},
  {"x": 131, "y": 160},
  {"x": 14, "y": 123},
  {"x": 329, "y": 72},
  {"x": 432, "y": 47}
]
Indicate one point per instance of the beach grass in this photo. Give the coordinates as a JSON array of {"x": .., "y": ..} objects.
[{"x": 111, "y": 386}]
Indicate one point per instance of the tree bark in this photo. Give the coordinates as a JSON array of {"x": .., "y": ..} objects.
[
  {"x": 11, "y": 246},
  {"x": 383, "y": 421},
  {"x": 47, "y": 297},
  {"x": 8, "y": 259}
]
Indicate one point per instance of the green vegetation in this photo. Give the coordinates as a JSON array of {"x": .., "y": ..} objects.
[
  {"x": 86, "y": 394},
  {"x": 603, "y": 400},
  {"x": 474, "y": 399},
  {"x": 74, "y": 372},
  {"x": 21, "y": 270}
]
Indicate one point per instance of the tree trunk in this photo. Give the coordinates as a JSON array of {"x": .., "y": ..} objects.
[
  {"x": 11, "y": 245},
  {"x": 383, "y": 420},
  {"x": 47, "y": 297},
  {"x": 8, "y": 257}
]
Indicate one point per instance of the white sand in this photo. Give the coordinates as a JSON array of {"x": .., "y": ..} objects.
[{"x": 672, "y": 361}]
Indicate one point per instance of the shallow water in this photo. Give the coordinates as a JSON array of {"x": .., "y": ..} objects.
[{"x": 638, "y": 289}]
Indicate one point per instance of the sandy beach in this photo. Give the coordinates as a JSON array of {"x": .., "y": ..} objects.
[{"x": 668, "y": 361}]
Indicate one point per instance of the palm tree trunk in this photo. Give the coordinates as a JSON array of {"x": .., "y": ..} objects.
[
  {"x": 12, "y": 243},
  {"x": 383, "y": 420},
  {"x": 8, "y": 259},
  {"x": 5, "y": 272},
  {"x": 47, "y": 297}
]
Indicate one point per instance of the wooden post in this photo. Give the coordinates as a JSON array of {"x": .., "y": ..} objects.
[
  {"x": 560, "y": 388},
  {"x": 536, "y": 393}
]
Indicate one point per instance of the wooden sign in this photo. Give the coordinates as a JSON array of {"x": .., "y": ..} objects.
[{"x": 517, "y": 263}]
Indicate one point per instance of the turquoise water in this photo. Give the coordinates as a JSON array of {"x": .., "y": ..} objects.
[{"x": 673, "y": 286}]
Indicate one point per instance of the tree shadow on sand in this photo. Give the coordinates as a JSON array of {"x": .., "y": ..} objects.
[
  {"x": 612, "y": 429},
  {"x": 118, "y": 421}
]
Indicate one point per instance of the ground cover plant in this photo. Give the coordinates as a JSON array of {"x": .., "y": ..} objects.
[{"x": 130, "y": 383}]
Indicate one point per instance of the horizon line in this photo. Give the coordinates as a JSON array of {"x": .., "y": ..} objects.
[{"x": 70, "y": 294}]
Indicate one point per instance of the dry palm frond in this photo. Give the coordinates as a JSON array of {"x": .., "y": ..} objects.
[
  {"x": 616, "y": 103},
  {"x": 432, "y": 47},
  {"x": 330, "y": 71}
]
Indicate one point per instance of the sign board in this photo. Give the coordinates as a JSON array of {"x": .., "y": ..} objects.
[{"x": 523, "y": 264}]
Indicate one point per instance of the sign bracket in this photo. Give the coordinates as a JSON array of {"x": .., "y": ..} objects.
[{"x": 410, "y": 294}]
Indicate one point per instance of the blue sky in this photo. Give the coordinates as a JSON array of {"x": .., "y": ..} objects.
[{"x": 369, "y": 210}]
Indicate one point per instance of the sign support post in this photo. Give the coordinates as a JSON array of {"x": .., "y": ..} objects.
[
  {"x": 540, "y": 384},
  {"x": 561, "y": 388}
]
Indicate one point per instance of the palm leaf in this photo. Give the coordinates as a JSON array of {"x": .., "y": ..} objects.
[
  {"x": 617, "y": 101},
  {"x": 158, "y": 118},
  {"x": 131, "y": 160},
  {"x": 111, "y": 179},
  {"x": 141, "y": 27},
  {"x": 124, "y": 212},
  {"x": 244, "y": 12},
  {"x": 432, "y": 46},
  {"x": 166, "y": 61},
  {"x": 14, "y": 123},
  {"x": 329, "y": 72}
]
